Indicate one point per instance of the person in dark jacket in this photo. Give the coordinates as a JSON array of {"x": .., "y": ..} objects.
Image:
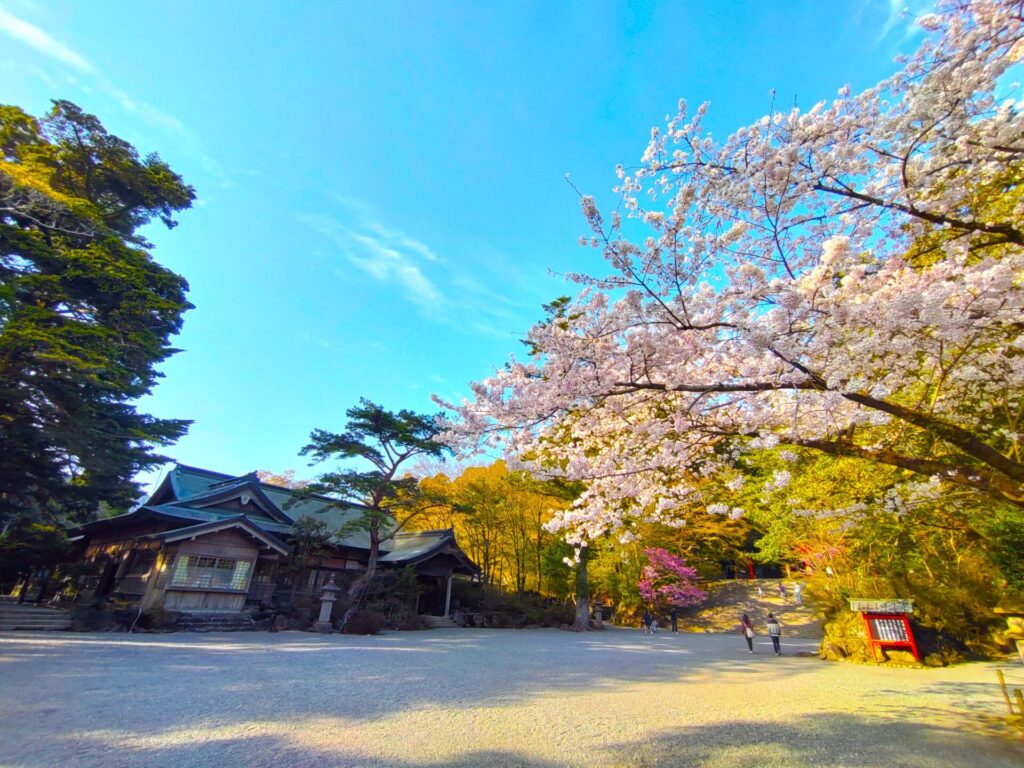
[
  {"x": 775, "y": 633},
  {"x": 647, "y": 622},
  {"x": 675, "y": 619},
  {"x": 747, "y": 630}
]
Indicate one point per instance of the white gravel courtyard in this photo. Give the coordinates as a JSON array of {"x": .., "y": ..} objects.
[{"x": 459, "y": 697}]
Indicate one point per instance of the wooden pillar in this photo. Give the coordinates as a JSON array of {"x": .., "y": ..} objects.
[{"x": 448, "y": 595}]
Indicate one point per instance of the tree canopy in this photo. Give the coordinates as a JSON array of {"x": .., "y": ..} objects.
[
  {"x": 499, "y": 518},
  {"x": 845, "y": 280},
  {"x": 381, "y": 443},
  {"x": 85, "y": 312}
]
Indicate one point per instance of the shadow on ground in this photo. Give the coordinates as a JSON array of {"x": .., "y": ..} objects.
[
  {"x": 277, "y": 700},
  {"x": 852, "y": 741},
  {"x": 264, "y": 676}
]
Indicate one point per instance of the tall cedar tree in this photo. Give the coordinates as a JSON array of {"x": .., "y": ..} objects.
[
  {"x": 85, "y": 313},
  {"x": 386, "y": 440}
]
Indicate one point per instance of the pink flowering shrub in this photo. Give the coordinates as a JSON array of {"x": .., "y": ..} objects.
[{"x": 667, "y": 580}]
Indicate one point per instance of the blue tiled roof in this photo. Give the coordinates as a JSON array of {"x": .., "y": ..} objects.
[
  {"x": 190, "y": 482},
  {"x": 199, "y": 485}
]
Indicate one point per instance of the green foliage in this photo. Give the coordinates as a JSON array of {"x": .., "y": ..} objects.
[
  {"x": 615, "y": 572},
  {"x": 557, "y": 574},
  {"x": 556, "y": 313},
  {"x": 877, "y": 532},
  {"x": 365, "y": 623},
  {"x": 384, "y": 440},
  {"x": 1005, "y": 534},
  {"x": 26, "y": 547},
  {"x": 492, "y": 606},
  {"x": 507, "y": 610},
  {"x": 85, "y": 312},
  {"x": 499, "y": 517},
  {"x": 393, "y": 594},
  {"x": 308, "y": 539}
]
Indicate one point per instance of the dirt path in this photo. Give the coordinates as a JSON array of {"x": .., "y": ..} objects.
[
  {"x": 539, "y": 698},
  {"x": 728, "y": 600}
]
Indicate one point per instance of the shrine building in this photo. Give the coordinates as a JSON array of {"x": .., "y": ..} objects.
[{"x": 208, "y": 542}]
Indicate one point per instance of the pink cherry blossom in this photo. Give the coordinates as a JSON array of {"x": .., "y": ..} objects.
[{"x": 815, "y": 279}]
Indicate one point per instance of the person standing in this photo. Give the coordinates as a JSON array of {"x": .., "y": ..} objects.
[
  {"x": 775, "y": 633},
  {"x": 747, "y": 630},
  {"x": 675, "y": 618},
  {"x": 647, "y": 621}
]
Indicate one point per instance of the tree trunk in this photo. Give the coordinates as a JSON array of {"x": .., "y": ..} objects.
[
  {"x": 358, "y": 588},
  {"x": 582, "y": 621},
  {"x": 540, "y": 554}
]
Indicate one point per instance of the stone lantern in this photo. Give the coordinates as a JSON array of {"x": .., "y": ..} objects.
[{"x": 327, "y": 600}]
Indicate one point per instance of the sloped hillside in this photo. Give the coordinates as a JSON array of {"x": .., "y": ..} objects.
[{"x": 729, "y": 600}]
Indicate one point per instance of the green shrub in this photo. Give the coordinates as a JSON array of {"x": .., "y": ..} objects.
[
  {"x": 365, "y": 623},
  {"x": 467, "y": 595},
  {"x": 406, "y": 621},
  {"x": 159, "y": 619},
  {"x": 508, "y": 610},
  {"x": 557, "y": 615}
]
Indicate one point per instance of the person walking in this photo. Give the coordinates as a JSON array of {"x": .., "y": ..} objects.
[
  {"x": 798, "y": 593},
  {"x": 782, "y": 592},
  {"x": 747, "y": 630},
  {"x": 675, "y": 618},
  {"x": 775, "y": 633},
  {"x": 647, "y": 622}
]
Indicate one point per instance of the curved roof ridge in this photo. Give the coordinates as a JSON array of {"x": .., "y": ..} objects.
[{"x": 421, "y": 533}]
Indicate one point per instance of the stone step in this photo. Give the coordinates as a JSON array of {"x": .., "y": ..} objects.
[
  {"x": 27, "y": 617},
  {"x": 438, "y": 622},
  {"x": 215, "y": 622},
  {"x": 239, "y": 623},
  {"x": 38, "y": 626},
  {"x": 10, "y": 609}
]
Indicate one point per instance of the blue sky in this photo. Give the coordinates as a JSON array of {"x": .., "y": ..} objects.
[{"x": 382, "y": 204}]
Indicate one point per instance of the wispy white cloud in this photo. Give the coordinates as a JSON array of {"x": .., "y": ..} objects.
[
  {"x": 34, "y": 37},
  {"x": 322, "y": 342},
  {"x": 387, "y": 255},
  {"x": 89, "y": 79},
  {"x": 444, "y": 291},
  {"x": 406, "y": 242},
  {"x": 22, "y": 69},
  {"x": 904, "y": 13},
  {"x": 389, "y": 264}
]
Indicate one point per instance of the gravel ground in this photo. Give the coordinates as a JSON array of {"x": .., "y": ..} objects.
[{"x": 456, "y": 697}]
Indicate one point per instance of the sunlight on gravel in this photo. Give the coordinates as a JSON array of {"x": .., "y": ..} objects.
[{"x": 483, "y": 698}]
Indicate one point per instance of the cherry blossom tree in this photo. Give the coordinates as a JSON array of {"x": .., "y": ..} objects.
[
  {"x": 668, "y": 581},
  {"x": 848, "y": 279}
]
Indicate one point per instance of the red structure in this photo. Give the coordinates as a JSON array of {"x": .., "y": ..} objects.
[{"x": 887, "y": 624}]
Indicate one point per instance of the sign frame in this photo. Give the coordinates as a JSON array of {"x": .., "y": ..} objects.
[{"x": 901, "y": 637}]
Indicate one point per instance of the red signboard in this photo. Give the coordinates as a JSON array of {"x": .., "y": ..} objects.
[{"x": 889, "y": 630}]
